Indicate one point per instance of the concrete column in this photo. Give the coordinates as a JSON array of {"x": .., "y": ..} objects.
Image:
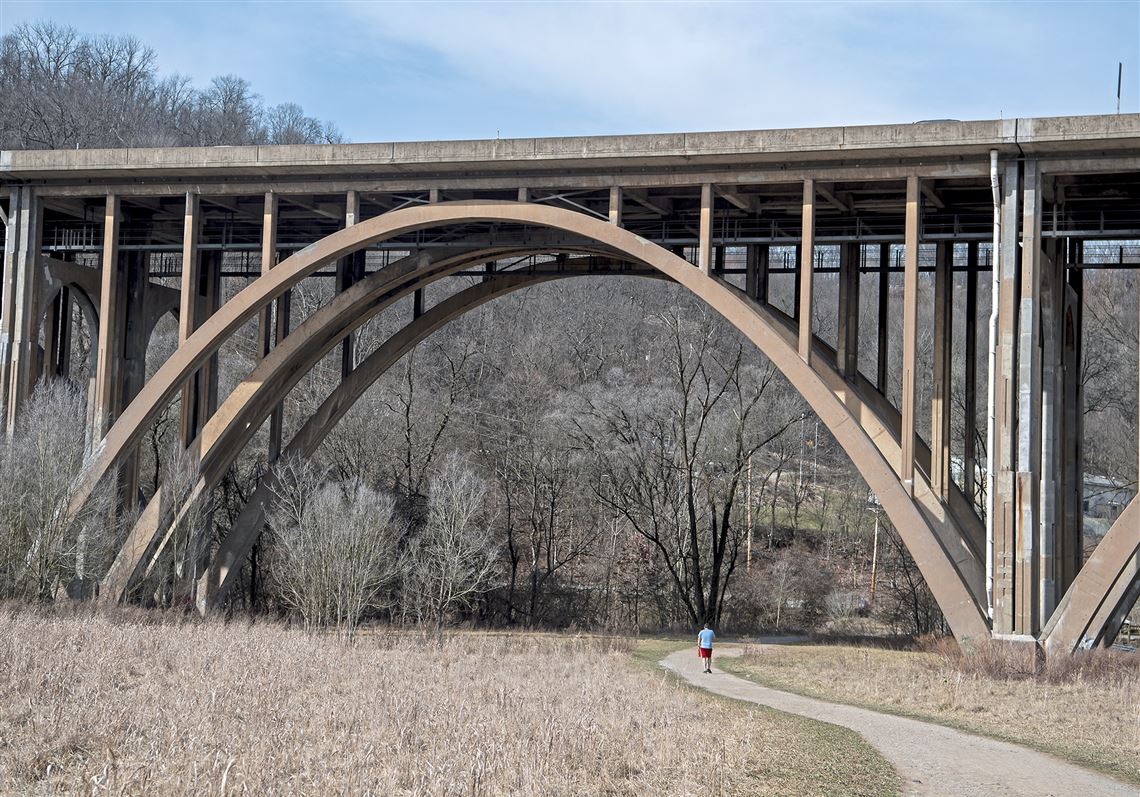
[
  {"x": 1051, "y": 481},
  {"x": 189, "y": 420},
  {"x": 268, "y": 261},
  {"x": 211, "y": 297},
  {"x": 847, "y": 338},
  {"x": 940, "y": 476},
  {"x": 24, "y": 344},
  {"x": 1027, "y": 494},
  {"x": 57, "y": 336},
  {"x": 756, "y": 273},
  {"x": 417, "y": 303},
  {"x": 134, "y": 345},
  {"x": 347, "y": 270},
  {"x": 110, "y": 323},
  {"x": 884, "y": 310},
  {"x": 277, "y": 419},
  {"x": 1005, "y": 409},
  {"x": 272, "y": 327},
  {"x": 704, "y": 250},
  {"x": 7, "y": 295},
  {"x": 910, "y": 330},
  {"x": 797, "y": 283},
  {"x": 615, "y": 205},
  {"x": 970, "y": 445},
  {"x": 807, "y": 267},
  {"x": 524, "y": 195},
  {"x": 1070, "y": 551}
]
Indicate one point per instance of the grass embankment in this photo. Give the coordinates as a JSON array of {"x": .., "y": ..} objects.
[
  {"x": 94, "y": 704},
  {"x": 1086, "y": 711}
]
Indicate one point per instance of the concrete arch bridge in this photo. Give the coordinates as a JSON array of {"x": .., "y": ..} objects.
[{"x": 756, "y": 224}]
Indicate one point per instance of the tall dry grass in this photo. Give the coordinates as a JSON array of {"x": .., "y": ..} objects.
[
  {"x": 93, "y": 704},
  {"x": 1085, "y": 708}
]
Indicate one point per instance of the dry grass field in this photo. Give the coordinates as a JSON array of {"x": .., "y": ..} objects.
[
  {"x": 1085, "y": 710},
  {"x": 102, "y": 705}
]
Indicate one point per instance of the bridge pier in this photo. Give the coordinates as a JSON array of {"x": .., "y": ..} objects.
[{"x": 20, "y": 301}]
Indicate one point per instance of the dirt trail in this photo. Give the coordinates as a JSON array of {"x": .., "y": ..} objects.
[{"x": 931, "y": 759}]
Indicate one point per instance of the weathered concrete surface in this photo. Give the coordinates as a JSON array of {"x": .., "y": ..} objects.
[
  {"x": 932, "y": 759},
  {"x": 1074, "y": 134}
]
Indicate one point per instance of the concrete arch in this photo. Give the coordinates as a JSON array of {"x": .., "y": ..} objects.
[
  {"x": 216, "y": 582},
  {"x": 936, "y": 561},
  {"x": 87, "y": 308}
]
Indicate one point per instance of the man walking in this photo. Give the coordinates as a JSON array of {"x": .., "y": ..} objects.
[{"x": 704, "y": 646}]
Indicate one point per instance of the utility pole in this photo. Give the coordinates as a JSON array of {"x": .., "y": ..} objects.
[
  {"x": 875, "y": 557},
  {"x": 1119, "y": 81},
  {"x": 748, "y": 516}
]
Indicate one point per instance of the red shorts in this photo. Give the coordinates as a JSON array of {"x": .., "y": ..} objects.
[{"x": 705, "y": 653}]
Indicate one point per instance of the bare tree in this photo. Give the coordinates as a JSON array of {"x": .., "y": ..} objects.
[
  {"x": 671, "y": 455},
  {"x": 452, "y": 558},
  {"x": 63, "y": 90},
  {"x": 41, "y": 551},
  {"x": 334, "y": 547}
]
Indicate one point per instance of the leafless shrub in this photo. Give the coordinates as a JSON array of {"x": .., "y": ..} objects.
[
  {"x": 1019, "y": 661},
  {"x": 452, "y": 559},
  {"x": 333, "y": 548},
  {"x": 41, "y": 550}
]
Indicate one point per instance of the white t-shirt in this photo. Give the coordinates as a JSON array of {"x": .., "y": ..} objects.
[{"x": 705, "y": 638}]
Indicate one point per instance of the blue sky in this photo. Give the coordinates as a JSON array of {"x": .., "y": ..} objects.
[{"x": 384, "y": 71}]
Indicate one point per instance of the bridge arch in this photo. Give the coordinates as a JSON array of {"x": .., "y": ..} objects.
[{"x": 938, "y": 564}]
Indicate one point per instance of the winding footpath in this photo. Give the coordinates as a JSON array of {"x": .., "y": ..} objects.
[{"x": 931, "y": 759}]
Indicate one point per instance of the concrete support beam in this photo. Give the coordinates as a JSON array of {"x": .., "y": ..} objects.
[
  {"x": 7, "y": 296},
  {"x": 190, "y": 417},
  {"x": 136, "y": 336},
  {"x": 615, "y": 205},
  {"x": 210, "y": 296},
  {"x": 910, "y": 331},
  {"x": 1029, "y": 529},
  {"x": 268, "y": 261},
  {"x": 704, "y": 250},
  {"x": 273, "y": 327},
  {"x": 970, "y": 409},
  {"x": 847, "y": 338},
  {"x": 797, "y": 283},
  {"x": 57, "y": 335},
  {"x": 940, "y": 477},
  {"x": 347, "y": 273},
  {"x": 23, "y": 343},
  {"x": 807, "y": 268},
  {"x": 1070, "y": 544},
  {"x": 1051, "y": 483},
  {"x": 1005, "y": 619},
  {"x": 110, "y": 322},
  {"x": 883, "y": 315},
  {"x": 756, "y": 272}
]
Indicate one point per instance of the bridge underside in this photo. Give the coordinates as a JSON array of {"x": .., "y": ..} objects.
[{"x": 810, "y": 254}]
